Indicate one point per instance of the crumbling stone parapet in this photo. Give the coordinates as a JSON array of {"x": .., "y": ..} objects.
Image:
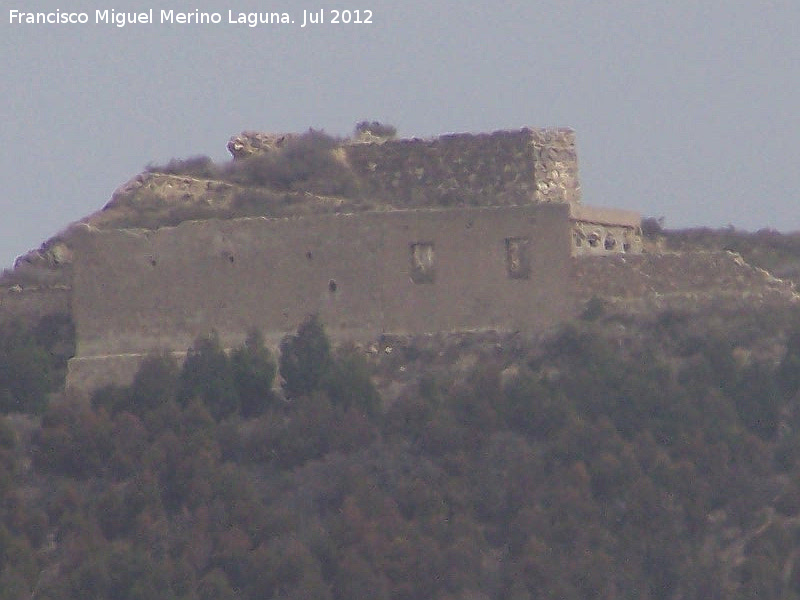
[{"x": 526, "y": 166}]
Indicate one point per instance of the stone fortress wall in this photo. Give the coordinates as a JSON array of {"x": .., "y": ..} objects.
[
  {"x": 404, "y": 272},
  {"x": 493, "y": 169}
]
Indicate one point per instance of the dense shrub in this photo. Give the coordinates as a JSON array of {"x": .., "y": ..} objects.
[
  {"x": 376, "y": 129},
  {"x": 349, "y": 383},
  {"x": 27, "y": 370},
  {"x": 306, "y": 163},
  {"x": 56, "y": 334},
  {"x": 652, "y": 227},
  {"x": 73, "y": 441},
  {"x": 195, "y": 166}
]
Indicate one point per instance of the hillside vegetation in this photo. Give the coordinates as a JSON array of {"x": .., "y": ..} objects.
[{"x": 615, "y": 457}]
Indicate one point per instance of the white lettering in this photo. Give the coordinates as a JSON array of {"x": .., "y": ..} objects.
[
  {"x": 255, "y": 19},
  {"x": 120, "y": 19},
  {"x": 51, "y": 18},
  {"x": 186, "y": 18}
]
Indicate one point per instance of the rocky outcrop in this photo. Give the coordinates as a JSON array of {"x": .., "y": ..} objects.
[{"x": 251, "y": 143}]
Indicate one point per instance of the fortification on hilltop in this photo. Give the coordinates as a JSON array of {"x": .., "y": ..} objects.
[{"x": 459, "y": 233}]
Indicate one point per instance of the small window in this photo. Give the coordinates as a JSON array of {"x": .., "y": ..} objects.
[
  {"x": 422, "y": 262},
  {"x": 518, "y": 262}
]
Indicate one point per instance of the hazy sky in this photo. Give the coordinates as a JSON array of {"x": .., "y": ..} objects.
[{"x": 683, "y": 109}]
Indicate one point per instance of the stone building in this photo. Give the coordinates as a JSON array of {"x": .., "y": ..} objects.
[{"x": 466, "y": 233}]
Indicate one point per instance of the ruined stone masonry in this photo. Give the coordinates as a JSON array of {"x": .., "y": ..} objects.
[{"x": 465, "y": 233}]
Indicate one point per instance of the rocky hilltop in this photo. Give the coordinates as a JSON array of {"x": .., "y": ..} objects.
[{"x": 645, "y": 445}]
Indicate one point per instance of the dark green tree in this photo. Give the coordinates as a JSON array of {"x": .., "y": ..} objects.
[
  {"x": 26, "y": 371},
  {"x": 207, "y": 375},
  {"x": 253, "y": 373},
  {"x": 305, "y": 358},
  {"x": 155, "y": 383}
]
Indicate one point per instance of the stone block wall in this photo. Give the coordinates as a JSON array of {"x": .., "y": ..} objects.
[
  {"x": 493, "y": 169},
  {"x": 555, "y": 165}
]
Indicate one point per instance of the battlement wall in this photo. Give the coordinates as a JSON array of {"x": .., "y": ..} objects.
[{"x": 494, "y": 169}]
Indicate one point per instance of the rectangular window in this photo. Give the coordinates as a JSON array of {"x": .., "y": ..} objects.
[
  {"x": 422, "y": 262},
  {"x": 518, "y": 262}
]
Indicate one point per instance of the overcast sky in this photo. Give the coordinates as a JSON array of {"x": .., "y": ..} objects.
[{"x": 683, "y": 109}]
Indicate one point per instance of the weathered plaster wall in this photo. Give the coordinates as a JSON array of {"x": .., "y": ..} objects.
[
  {"x": 364, "y": 273},
  {"x": 135, "y": 290},
  {"x": 475, "y": 287},
  {"x": 493, "y": 169}
]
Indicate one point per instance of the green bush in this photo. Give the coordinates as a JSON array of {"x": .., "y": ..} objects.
[{"x": 306, "y": 163}]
